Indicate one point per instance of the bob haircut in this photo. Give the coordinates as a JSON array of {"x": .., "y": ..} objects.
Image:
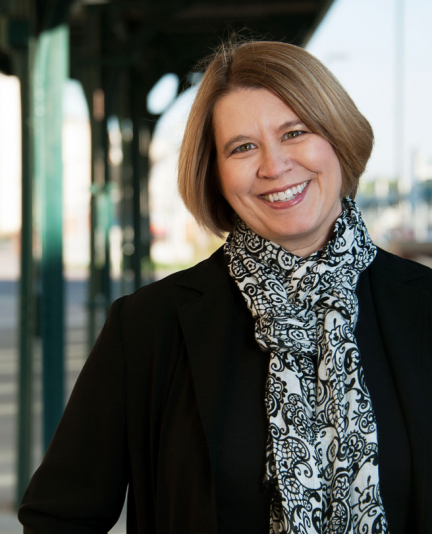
[{"x": 303, "y": 83}]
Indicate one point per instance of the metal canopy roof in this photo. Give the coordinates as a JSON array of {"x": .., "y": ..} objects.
[
  {"x": 154, "y": 36},
  {"x": 159, "y": 36}
]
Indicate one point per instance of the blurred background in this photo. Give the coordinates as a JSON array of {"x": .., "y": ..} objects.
[{"x": 94, "y": 95}]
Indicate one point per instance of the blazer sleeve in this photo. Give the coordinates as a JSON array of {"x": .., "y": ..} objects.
[{"x": 81, "y": 484}]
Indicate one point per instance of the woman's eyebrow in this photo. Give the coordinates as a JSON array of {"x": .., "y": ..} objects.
[
  {"x": 290, "y": 124},
  {"x": 234, "y": 140}
]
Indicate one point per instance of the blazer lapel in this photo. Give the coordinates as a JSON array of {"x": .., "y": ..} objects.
[
  {"x": 401, "y": 299},
  {"x": 208, "y": 324}
]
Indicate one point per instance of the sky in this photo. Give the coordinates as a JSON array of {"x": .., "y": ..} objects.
[{"x": 359, "y": 42}]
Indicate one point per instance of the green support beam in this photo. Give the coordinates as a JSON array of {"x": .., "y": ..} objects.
[
  {"x": 143, "y": 125},
  {"x": 104, "y": 211},
  {"x": 27, "y": 304},
  {"x": 49, "y": 75}
]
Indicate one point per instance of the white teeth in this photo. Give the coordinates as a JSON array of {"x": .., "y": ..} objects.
[{"x": 286, "y": 195}]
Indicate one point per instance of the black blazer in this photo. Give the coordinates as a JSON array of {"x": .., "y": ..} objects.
[{"x": 146, "y": 409}]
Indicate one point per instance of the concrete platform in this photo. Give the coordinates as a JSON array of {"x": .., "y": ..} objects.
[{"x": 9, "y": 524}]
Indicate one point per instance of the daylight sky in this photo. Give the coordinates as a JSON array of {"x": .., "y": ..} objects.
[{"x": 357, "y": 42}]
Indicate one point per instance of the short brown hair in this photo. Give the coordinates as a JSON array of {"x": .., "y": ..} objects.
[{"x": 303, "y": 83}]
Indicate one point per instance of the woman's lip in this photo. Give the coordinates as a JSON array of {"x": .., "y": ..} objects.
[
  {"x": 280, "y": 190},
  {"x": 287, "y": 203}
]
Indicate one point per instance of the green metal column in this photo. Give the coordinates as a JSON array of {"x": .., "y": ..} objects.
[
  {"x": 49, "y": 76},
  {"x": 97, "y": 177},
  {"x": 27, "y": 304},
  {"x": 136, "y": 184},
  {"x": 143, "y": 126},
  {"x": 105, "y": 212}
]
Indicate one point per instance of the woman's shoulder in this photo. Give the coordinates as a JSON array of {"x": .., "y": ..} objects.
[
  {"x": 386, "y": 260},
  {"x": 177, "y": 289},
  {"x": 398, "y": 271}
]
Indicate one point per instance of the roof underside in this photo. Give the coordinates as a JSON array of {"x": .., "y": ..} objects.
[
  {"x": 148, "y": 38},
  {"x": 158, "y": 36}
]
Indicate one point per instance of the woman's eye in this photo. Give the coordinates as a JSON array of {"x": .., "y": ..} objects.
[
  {"x": 244, "y": 148},
  {"x": 295, "y": 133}
]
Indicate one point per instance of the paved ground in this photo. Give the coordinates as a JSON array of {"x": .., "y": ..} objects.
[{"x": 10, "y": 525}]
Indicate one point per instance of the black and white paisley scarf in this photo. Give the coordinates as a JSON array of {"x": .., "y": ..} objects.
[{"x": 322, "y": 451}]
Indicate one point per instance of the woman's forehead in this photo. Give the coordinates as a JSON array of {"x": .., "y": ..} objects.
[{"x": 249, "y": 111}]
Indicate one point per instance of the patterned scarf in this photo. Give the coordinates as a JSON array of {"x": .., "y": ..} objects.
[{"x": 322, "y": 451}]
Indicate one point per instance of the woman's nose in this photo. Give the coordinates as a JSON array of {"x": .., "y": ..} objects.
[{"x": 274, "y": 163}]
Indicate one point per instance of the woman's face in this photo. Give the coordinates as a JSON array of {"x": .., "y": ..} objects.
[{"x": 283, "y": 180}]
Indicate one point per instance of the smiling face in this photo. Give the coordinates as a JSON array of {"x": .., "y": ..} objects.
[{"x": 283, "y": 180}]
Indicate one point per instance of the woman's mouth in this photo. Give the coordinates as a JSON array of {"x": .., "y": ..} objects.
[{"x": 288, "y": 194}]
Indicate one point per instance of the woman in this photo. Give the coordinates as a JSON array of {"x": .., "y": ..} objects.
[{"x": 250, "y": 392}]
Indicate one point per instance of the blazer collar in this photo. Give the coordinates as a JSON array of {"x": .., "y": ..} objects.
[
  {"x": 207, "y": 275},
  {"x": 207, "y": 323}
]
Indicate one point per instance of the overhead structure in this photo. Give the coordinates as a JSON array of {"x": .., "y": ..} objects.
[
  {"x": 162, "y": 36},
  {"x": 118, "y": 50}
]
